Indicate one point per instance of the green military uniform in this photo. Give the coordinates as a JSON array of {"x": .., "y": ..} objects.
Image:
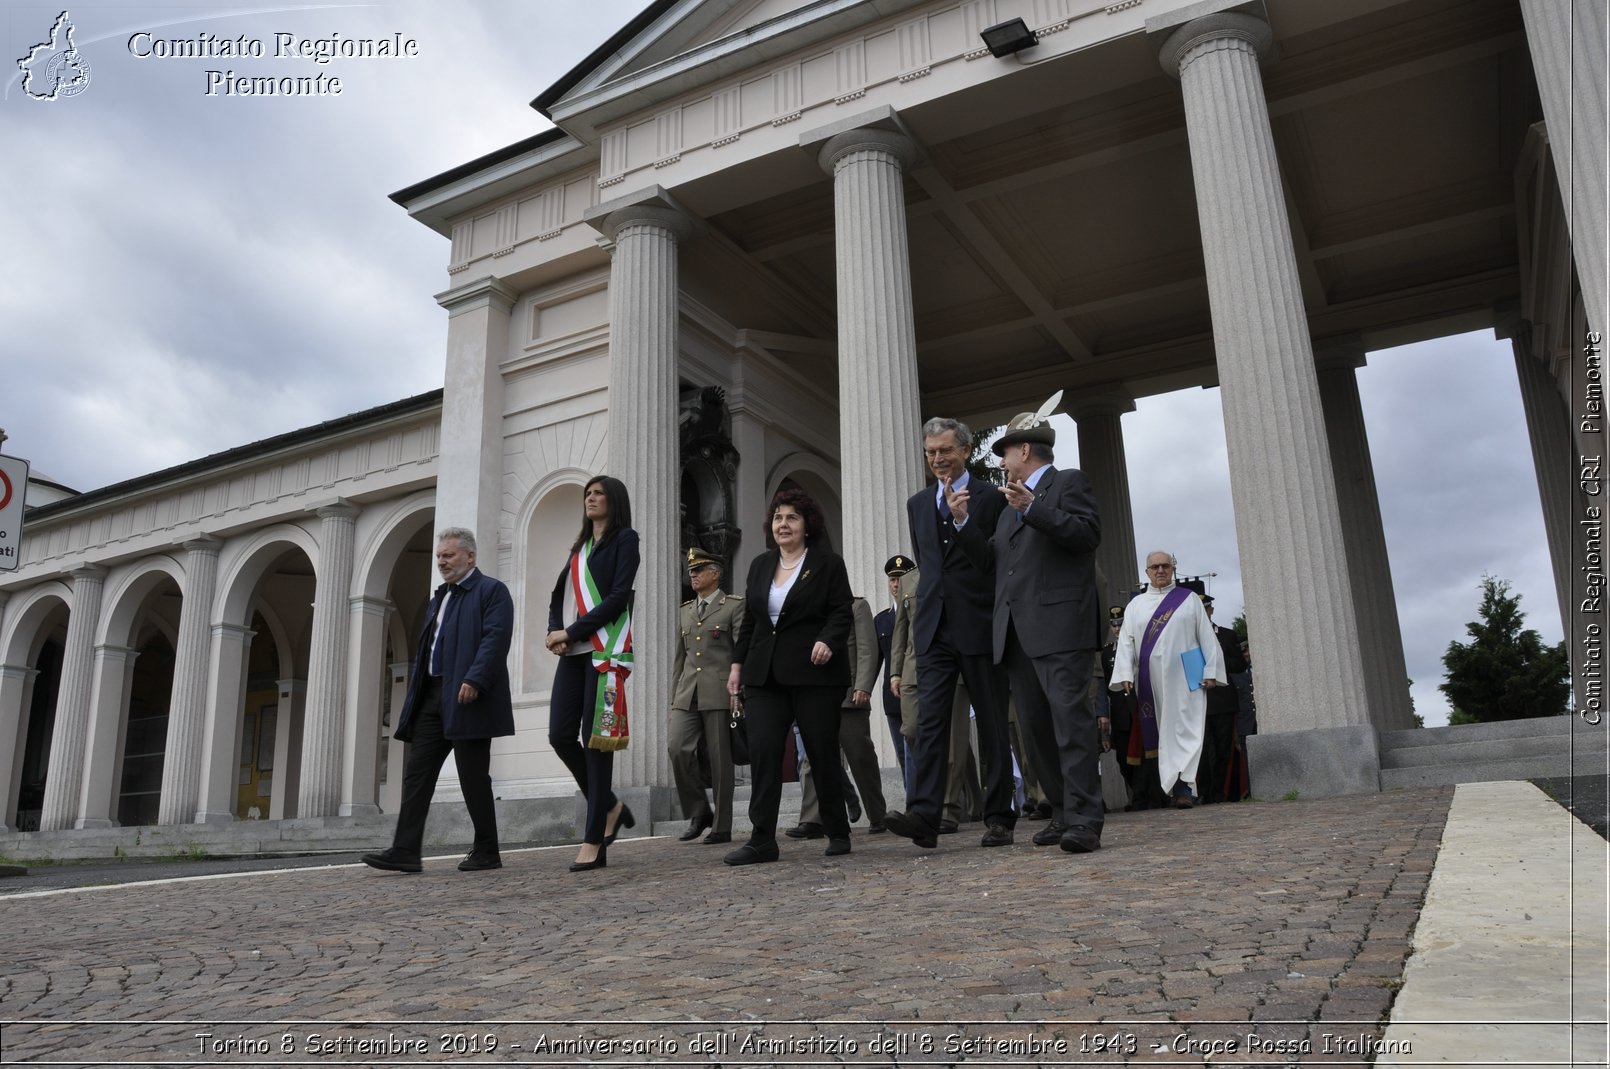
[
  {"x": 699, "y": 704},
  {"x": 855, "y": 727}
]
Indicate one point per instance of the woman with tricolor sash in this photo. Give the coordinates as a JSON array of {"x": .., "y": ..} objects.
[
  {"x": 590, "y": 631},
  {"x": 791, "y": 664}
]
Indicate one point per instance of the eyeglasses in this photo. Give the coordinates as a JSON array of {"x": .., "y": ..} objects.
[
  {"x": 1155, "y": 567},
  {"x": 942, "y": 451}
]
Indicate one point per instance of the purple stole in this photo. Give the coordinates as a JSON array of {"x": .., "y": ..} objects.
[{"x": 1143, "y": 743}]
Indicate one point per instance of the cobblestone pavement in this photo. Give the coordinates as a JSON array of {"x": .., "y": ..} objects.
[{"x": 1275, "y": 931}]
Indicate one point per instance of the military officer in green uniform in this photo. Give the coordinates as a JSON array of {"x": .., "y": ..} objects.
[{"x": 706, "y": 628}]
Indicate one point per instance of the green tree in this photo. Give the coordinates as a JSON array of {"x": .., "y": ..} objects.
[
  {"x": 981, "y": 465},
  {"x": 1505, "y": 672}
]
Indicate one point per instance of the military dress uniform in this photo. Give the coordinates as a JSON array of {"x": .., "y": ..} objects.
[{"x": 699, "y": 706}]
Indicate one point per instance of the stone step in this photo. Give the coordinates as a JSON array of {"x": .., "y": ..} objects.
[
  {"x": 1487, "y": 750},
  {"x": 1561, "y": 726},
  {"x": 1520, "y": 768}
]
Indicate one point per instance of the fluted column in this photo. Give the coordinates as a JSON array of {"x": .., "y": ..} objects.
[
  {"x": 880, "y": 445},
  {"x": 1386, "y": 676},
  {"x": 226, "y": 700},
  {"x": 469, "y": 467},
  {"x": 1548, "y": 423},
  {"x": 1103, "y": 460},
  {"x": 643, "y": 453},
  {"x": 16, "y": 690},
  {"x": 396, "y": 750},
  {"x": 366, "y": 674},
  {"x": 187, "y": 711},
  {"x": 320, "y": 793},
  {"x": 108, "y": 715},
  {"x": 1298, "y": 599},
  {"x": 64, "y": 778},
  {"x": 288, "y": 743},
  {"x": 1567, "y": 39}
]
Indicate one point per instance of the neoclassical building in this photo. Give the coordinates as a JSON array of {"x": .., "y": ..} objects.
[{"x": 846, "y": 215}]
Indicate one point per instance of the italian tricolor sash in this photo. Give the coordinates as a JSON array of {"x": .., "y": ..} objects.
[{"x": 612, "y": 656}]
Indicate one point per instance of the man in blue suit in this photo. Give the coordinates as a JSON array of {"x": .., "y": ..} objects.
[
  {"x": 951, "y": 525},
  {"x": 458, "y": 701}
]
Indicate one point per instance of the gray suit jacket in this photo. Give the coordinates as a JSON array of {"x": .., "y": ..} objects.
[
  {"x": 1045, "y": 569},
  {"x": 863, "y": 654}
]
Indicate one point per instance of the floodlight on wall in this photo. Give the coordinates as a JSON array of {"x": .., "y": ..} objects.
[{"x": 1004, "y": 38}]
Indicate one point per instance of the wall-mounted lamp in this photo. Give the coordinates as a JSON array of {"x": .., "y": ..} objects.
[{"x": 1004, "y": 38}]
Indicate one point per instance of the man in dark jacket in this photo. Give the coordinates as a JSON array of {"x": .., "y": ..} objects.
[{"x": 458, "y": 701}]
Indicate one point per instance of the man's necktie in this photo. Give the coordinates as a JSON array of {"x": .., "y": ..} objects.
[
  {"x": 436, "y": 625},
  {"x": 944, "y": 505},
  {"x": 699, "y": 612}
]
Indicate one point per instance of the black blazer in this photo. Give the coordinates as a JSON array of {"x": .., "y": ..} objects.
[
  {"x": 613, "y": 566},
  {"x": 956, "y": 579},
  {"x": 817, "y": 609},
  {"x": 1045, "y": 569}
]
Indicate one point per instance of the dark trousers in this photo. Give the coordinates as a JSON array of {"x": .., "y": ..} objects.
[
  {"x": 570, "y": 718},
  {"x": 771, "y": 713},
  {"x": 937, "y": 670},
  {"x": 1059, "y": 729},
  {"x": 427, "y": 752},
  {"x": 1218, "y": 743}
]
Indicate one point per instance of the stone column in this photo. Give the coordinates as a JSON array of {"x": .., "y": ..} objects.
[
  {"x": 1554, "y": 458},
  {"x": 288, "y": 738},
  {"x": 469, "y": 469},
  {"x": 361, "y": 725},
  {"x": 64, "y": 779},
  {"x": 1306, "y": 655},
  {"x": 880, "y": 421},
  {"x": 1567, "y": 39},
  {"x": 643, "y": 450},
  {"x": 1102, "y": 459},
  {"x": 16, "y": 692},
  {"x": 1386, "y": 676},
  {"x": 187, "y": 711},
  {"x": 220, "y": 747},
  {"x": 396, "y": 750},
  {"x": 106, "y": 736},
  {"x": 320, "y": 793}
]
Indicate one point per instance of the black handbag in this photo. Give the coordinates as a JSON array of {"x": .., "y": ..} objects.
[{"x": 737, "y": 731}]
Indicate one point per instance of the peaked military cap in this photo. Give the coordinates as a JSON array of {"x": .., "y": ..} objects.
[
  {"x": 699, "y": 558},
  {"x": 898, "y": 565}
]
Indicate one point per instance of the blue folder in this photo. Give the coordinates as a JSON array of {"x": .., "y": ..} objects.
[{"x": 1194, "y": 664}]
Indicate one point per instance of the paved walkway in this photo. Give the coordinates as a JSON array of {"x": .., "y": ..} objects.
[{"x": 1260, "y": 933}]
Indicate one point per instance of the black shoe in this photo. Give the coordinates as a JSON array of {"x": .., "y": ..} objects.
[
  {"x": 599, "y": 862},
  {"x": 877, "y": 828},
  {"x": 1051, "y": 834},
  {"x": 1080, "y": 841},
  {"x": 393, "y": 860},
  {"x": 852, "y": 806},
  {"x": 948, "y": 827},
  {"x": 626, "y": 821},
  {"x": 806, "y": 830},
  {"x": 750, "y": 854},
  {"x": 718, "y": 837},
  {"x": 998, "y": 835},
  {"x": 695, "y": 829},
  {"x": 477, "y": 861},
  {"x": 909, "y": 827},
  {"x": 1042, "y": 811},
  {"x": 836, "y": 847}
]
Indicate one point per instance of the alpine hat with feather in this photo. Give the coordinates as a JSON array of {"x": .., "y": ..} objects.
[{"x": 1030, "y": 427}]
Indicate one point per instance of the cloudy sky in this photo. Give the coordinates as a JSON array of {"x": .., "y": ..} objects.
[{"x": 194, "y": 272}]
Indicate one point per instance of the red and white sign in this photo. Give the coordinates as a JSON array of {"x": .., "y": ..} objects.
[{"x": 13, "y": 489}]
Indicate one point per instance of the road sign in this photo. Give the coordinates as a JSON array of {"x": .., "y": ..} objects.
[{"x": 13, "y": 489}]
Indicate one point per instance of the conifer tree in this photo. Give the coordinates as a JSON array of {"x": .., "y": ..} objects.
[{"x": 1505, "y": 672}]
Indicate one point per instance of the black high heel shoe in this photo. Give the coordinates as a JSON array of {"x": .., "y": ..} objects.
[
  {"x": 599, "y": 862},
  {"x": 626, "y": 821}
]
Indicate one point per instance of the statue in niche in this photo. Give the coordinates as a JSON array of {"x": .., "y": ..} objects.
[{"x": 709, "y": 476}]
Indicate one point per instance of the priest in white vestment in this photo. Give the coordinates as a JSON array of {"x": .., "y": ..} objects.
[{"x": 1168, "y": 625}]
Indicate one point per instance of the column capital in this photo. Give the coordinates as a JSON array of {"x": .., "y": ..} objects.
[
  {"x": 484, "y": 292},
  {"x": 1178, "y": 32},
  {"x": 339, "y": 509},
  {"x": 239, "y": 632},
  {"x": 202, "y": 544},
  {"x": 88, "y": 571},
  {"x": 652, "y": 206},
  {"x": 288, "y": 687},
  {"x": 368, "y": 606},
  {"x": 1339, "y": 351},
  {"x": 879, "y": 129},
  {"x": 17, "y": 671},
  {"x": 108, "y": 650},
  {"x": 1102, "y": 401}
]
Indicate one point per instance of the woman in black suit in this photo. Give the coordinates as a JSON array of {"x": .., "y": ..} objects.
[
  {"x": 791, "y": 662},
  {"x": 609, "y": 547}
]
